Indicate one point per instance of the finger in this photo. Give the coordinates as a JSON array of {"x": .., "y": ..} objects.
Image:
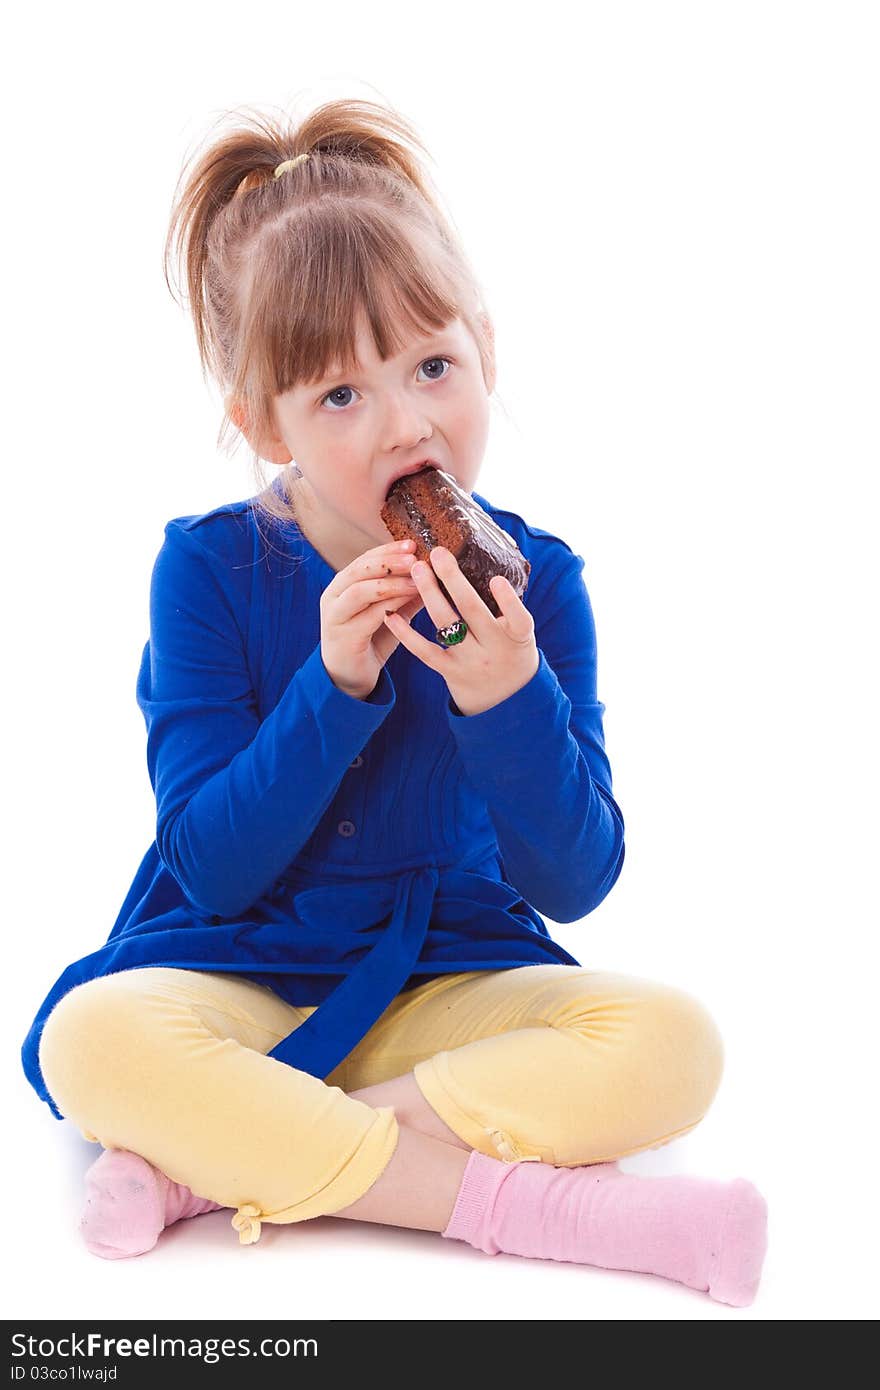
[
  {"x": 438, "y": 605},
  {"x": 363, "y": 595},
  {"x": 462, "y": 592},
  {"x": 406, "y": 608},
  {"x": 374, "y": 562},
  {"x": 518, "y": 621},
  {"x": 410, "y": 609},
  {"x": 428, "y": 652},
  {"x": 383, "y": 549},
  {"x": 384, "y": 640},
  {"x": 399, "y": 604}
]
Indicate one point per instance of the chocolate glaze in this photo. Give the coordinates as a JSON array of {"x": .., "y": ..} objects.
[{"x": 430, "y": 508}]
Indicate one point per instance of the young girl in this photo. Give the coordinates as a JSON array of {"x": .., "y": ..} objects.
[{"x": 329, "y": 990}]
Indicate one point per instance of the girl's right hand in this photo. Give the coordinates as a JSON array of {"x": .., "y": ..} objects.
[{"x": 353, "y": 608}]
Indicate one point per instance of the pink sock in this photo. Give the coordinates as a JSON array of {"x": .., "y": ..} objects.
[
  {"x": 707, "y": 1234},
  {"x": 129, "y": 1203}
]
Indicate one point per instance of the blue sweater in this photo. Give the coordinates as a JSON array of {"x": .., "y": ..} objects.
[{"x": 339, "y": 850}]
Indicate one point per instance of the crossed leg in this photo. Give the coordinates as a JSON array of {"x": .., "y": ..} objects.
[{"x": 419, "y": 1187}]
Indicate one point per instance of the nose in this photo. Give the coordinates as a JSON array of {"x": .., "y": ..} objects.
[{"x": 405, "y": 426}]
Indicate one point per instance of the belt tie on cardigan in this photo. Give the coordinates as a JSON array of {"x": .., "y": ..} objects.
[{"x": 341, "y": 1020}]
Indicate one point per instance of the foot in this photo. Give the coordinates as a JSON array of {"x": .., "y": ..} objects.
[
  {"x": 707, "y": 1234},
  {"x": 129, "y": 1203}
]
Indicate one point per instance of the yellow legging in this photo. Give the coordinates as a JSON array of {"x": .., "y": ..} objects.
[{"x": 566, "y": 1064}]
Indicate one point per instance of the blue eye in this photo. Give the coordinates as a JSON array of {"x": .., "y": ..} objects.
[{"x": 337, "y": 390}]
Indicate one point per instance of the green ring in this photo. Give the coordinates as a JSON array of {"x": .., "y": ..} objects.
[{"x": 452, "y": 635}]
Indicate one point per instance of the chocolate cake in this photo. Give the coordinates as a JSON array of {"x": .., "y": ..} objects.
[{"x": 430, "y": 508}]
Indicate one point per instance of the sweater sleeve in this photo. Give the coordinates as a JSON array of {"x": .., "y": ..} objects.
[
  {"x": 236, "y": 797},
  {"x": 538, "y": 759}
]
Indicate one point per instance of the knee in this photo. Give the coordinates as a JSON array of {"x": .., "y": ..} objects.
[
  {"x": 85, "y": 1040},
  {"x": 664, "y": 1046},
  {"x": 687, "y": 1044}
]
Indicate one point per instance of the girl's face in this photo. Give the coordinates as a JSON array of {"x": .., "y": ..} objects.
[{"x": 352, "y": 434}]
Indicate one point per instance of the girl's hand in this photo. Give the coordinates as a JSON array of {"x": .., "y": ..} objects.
[
  {"x": 497, "y": 657},
  {"x": 353, "y": 608}
]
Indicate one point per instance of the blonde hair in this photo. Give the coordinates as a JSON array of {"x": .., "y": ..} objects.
[{"x": 280, "y": 269}]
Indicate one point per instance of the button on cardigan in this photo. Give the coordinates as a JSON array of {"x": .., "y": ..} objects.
[{"x": 339, "y": 850}]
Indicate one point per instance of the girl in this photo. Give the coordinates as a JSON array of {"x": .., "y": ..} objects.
[{"x": 329, "y": 990}]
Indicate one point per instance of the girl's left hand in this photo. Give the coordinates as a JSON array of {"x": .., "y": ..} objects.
[{"x": 498, "y": 655}]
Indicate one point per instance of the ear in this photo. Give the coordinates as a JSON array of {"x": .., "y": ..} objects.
[
  {"x": 271, "y": 448},
  {"x": 490, "y": 333}
]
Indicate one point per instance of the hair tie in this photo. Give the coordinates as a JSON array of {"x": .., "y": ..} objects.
[{"x": 290, "y": 164}]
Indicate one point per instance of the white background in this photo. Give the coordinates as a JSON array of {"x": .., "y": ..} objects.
[{"x": 673, "y": 209}]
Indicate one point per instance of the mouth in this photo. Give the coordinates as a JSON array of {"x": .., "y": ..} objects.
[{"x": 406, "y": 472}]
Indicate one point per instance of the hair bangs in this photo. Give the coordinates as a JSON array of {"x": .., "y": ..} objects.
[{"x": 363, "y": 280}]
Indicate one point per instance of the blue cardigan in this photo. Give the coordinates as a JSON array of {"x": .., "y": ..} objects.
[{"x": 338, "y": 850}]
